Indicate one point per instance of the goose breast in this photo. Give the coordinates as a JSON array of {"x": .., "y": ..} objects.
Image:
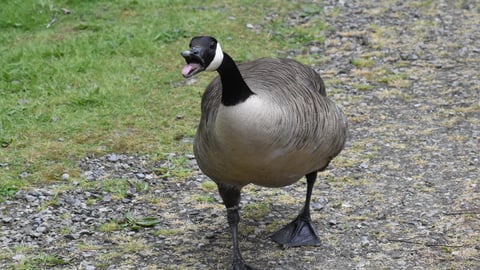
[{"x": 284, "y": 131}]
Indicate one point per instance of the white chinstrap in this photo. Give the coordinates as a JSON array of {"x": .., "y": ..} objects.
[{"x": 217, "y": 60}]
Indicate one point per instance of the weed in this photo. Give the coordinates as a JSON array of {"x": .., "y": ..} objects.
[
  {"x": 135, "y": 223},
  {"x": 256, "y": 210},
  {"x": 65, "y": 230},
  {"x": 363, "y": 86},
  {"x": 6, "y": 191},
  {"x": 48, "y": 203},
  {"x": 109, "y": 226},
  {"x": 133, "y": 245},
  {"x": 447, "y": 249},
  {"x": 362, "y": 62},
  {"x": 141, "y": 186},
  {"x": 42, "y": 261},
  {"x": 117, "y": 187},
  {"x": 208, "y": 186},
  {"x": 90, "y": 201},
  {"x": 204, "y": 198},
  {"x": 167, "y": 232}
]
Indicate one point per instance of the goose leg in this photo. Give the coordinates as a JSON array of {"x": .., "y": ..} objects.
[
  {"x": 300, "y": 232},
  {"x": 231, "y": 199}
]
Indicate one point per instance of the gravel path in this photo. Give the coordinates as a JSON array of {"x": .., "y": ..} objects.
[{"x": 404, "y": 194}]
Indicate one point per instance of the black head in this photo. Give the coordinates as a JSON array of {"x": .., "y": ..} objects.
[{"x": 205, "y": 54}]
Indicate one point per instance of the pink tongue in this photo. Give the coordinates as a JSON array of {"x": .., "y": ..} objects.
[{"x": 187, "y": 69}]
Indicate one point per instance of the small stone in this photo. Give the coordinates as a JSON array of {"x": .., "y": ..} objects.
[
  {"x": 18, "y": 257},
  {"x": 112, "y": 158},
  {"x": 66, "y": 11},
  {"x": 23, "y": 102},
  {"x": 78, "y": 218},
  {"x": 71, "y": 200},
  {"x": 30, "y": 198},
  {"x": 88, "y": 175},
  {"x": 87, "y": 266},
  {"x": 437, "y": 64},
  {"x": 361, "y": 264},
  {"x": 193, "y": 212},
  {"x": 65, "y": 176},
  {"x": 85, "y": 232},
  {"x": 317, "y": 206},
  {"x": 34, "y": 234},
  {"x": 73, "y": 236},
  {"x": 364, "y": 241},
  {"x": 210, "y": 235},
  {"x": 315, "y": 49},
  {"x": 35, "y": 193},
  {"x": 42, "y": 229},
  {"x": 103, "y": 209},
  {"x": 191, "y": 81},
  {"x": 107, "y": 198},
  {"x": 7, "y": 219}
]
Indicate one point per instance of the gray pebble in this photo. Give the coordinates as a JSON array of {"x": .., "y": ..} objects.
[
  {"x": 7, "y": 219},
  {"x": 112, "y": 158},
  {"x": 42, "y": 229},
  {"x": 65, "y": 176},
  {"x": 18, "y": 257},
  {"x": 365, "y": 241}
]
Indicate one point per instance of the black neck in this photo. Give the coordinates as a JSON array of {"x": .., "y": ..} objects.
[{"x": 234, "y": 89}]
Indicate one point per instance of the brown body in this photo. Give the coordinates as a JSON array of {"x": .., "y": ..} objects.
[{"x": 286, "y": 130}]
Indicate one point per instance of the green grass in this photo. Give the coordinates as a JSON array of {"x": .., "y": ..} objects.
[
  {"x": 109, "y": 226},
  {"x": 208, "y": 186},
  {"x": 106, "y": 77},
  {"x": 41, "y": 261},
  {"x": 205, "y": 198},
  {"x": 362, "y": 62},
  {"x": 363, "y": 86},
  {"x": 167, "y": 232},
  {"x": 256, "y": 210}
]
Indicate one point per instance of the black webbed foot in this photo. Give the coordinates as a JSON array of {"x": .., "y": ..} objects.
[{"x": 299, "y": 232}]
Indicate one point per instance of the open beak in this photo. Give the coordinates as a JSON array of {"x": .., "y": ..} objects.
[{"x": 195, "y": 64}]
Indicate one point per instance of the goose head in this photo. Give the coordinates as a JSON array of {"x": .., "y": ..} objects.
[{"x": 205, "y": 54}]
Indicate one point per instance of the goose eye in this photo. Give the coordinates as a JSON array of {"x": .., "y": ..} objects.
[{"x": 212, "y": 45}]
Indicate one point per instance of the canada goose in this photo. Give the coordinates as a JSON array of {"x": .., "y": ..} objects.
[{"x": 266, "y": 122}]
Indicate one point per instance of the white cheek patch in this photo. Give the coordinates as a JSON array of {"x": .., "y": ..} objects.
[{"x": 217, "y": 60}]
